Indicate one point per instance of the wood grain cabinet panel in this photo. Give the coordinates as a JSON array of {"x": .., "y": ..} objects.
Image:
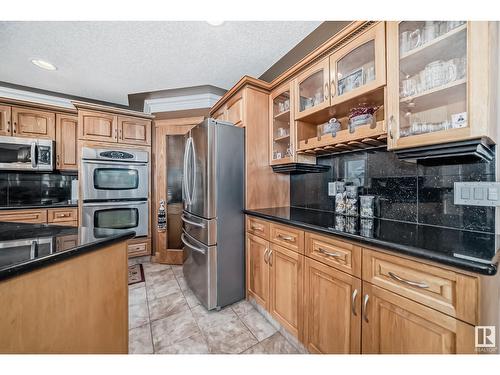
[
  {"x": 97, "y": 126},
  {"x": 33, "y": 123},
  {"x": 395, "y": 325},
  {"x": 135, "y": 131},
  {"x": 332, "y": 310},
  {"x": 257, "y": 269},
  {"x": 66, "y": 242},
  {"x": 234, "y": 111},
  {"x": 60, "y": 215},
  {"x": 66, "y": 140},
  {"x": 5, "y": 126},
  {"x": 24, "y": 216},
  {"x": 334, "y": 252},
  {"x": 220, "y": 114},
  {"x": 286, "y": 288},
  {"x": 136, "y": 249},
  {"x": 258, "y": 227},
  {"x": 447, "y": 291},
  {"x": 288, "y": 237}
]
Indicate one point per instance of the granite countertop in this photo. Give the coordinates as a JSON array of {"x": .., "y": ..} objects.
[
  {"x": 467, "y": 250},
  {"x": 25, "y": 247},
  {"x": 41, "y": 205}
]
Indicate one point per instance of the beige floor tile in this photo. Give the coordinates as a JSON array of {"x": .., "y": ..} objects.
[
  {"x": 182, "y": 283},
  {"x": 177, "y": 271},
  {"x": 209, "y": 319},
  {"x": 168, "y": 305},
  {"x": 242, "y": 307},
  {"x": 275, "y": 344},
  {"x": 152, "y": 267},
  {"x": 230, "y": 338},
  {"x": 191, "y": 299},
  {"x": 138, "y": 315},
  {"x": 144, "y": 260},
  {"x": 137, "y": 296},
  {"x": 172, "y": 329},
  {"x": 139, "y": 340},
  {"x": 159, "y": 276},
  {"x": 192, "y": 345},
  {"x": 161, "y": 289},
  {"x": 258, "y": 325}
]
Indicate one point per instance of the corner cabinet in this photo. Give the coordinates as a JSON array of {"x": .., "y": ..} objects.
[{"x": 441, "y": 82}]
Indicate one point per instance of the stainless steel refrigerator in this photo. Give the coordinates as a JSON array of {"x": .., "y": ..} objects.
[{"x": 213, "y": 221}]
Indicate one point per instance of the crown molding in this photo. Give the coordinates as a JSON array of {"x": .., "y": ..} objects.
[
  {"x": 179, "y": 103},
  {"x": 32, "y": 97}
]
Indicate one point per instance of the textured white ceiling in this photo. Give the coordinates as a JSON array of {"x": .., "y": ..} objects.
[{"x": 109, "y": 60}]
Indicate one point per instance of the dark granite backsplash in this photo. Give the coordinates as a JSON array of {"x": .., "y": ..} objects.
[
  {"x": 34, "y": 188},
  {"x": 407, "y": 191}
]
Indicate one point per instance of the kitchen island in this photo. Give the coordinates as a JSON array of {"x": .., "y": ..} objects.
[{"x": 63, "y": 289}]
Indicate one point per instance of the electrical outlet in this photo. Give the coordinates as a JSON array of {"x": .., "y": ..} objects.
[{"x": 477, "y": 193}]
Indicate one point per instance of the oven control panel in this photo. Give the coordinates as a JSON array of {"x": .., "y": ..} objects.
[{"x": 116, "y": 155}]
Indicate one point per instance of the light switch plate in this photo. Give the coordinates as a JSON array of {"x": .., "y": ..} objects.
[{"x": 477, "y": 193}]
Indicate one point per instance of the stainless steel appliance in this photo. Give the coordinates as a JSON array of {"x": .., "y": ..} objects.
[
  {"x": 114, "y": 174},
  {"x": 213, "y": 222},
  {"x": 22, "y": 250},
  {"x": 117, "y": 215},
  {"x": 17, "y": 153}
]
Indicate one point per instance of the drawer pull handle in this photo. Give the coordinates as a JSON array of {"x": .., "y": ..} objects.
[
  {"x": 257, "y": 227},
  {"x": 365, "y": 305},
  {"x": 408, "y": 282},
  {"x": 353, "y": 302},
  {"x": 328, "y": 253},
  {"x": 285, "y": 238}
]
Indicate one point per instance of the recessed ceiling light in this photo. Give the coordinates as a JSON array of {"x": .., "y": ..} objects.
[
  {"x": 215, "y": 23},
  {"x": 44, "y": 64}
]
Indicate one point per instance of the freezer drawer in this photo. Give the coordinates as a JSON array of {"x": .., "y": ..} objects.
[
  {"x": 203, "y": 230},
  {"x": 200, "y": 270}
]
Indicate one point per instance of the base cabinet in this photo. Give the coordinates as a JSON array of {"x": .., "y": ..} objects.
[
  {"x": 395, "y": 325},
  {"x": 332, "y": 310},
  {"x": 257, "y": 269}
]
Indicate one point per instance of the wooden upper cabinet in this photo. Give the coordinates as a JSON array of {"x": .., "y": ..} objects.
[
  {"x": 281, "y": 130},
  {"x": 133, "y": 130},
  {"x": 5, "y": 126},
  {"x": 359, "y": 66},
  {"x": 220, "y": 114},
  {"x": 33, "y": 123},
  {"x": 97, "y": 126},
  {"x": 257, "y": 271},
  {"x": 395, "y": 325},
  {"x": 441, "y": 82},
  {"x": 286, "y": 288},
  {"x": 66, "y": 140},
  {"x": 312, "y": 89},
  {"x": 235, "y": 110},
  {"x": 332, "y": 310}
]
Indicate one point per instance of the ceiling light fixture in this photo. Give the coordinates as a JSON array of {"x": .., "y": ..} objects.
[
  {"x": 44, "y": 64},
  {"x": 215, "y": 23}
]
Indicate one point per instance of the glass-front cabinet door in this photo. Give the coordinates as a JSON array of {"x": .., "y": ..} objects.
[
  {"x": 312, "y": 89},
  {"x": 428, "y": 81},
  {"x": 282, "y": 133},
  {"x": 359, "y": 67}
]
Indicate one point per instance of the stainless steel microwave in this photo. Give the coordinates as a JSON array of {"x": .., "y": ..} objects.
[{"x": 17, "y": 153}]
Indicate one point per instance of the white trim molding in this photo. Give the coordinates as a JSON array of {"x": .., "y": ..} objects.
[
  {"x": 29, "y": 96},
  {"x": 179, "y": 103}
]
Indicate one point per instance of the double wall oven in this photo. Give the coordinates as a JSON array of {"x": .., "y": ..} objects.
[{"x": 115, "y": 189}]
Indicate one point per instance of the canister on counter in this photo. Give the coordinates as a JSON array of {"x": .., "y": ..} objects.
[
  {"x": 351, "y": 202},
  {"x": 340, "y": 197}
]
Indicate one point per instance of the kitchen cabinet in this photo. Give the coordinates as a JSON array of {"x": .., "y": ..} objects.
[
  {"x": 33, "y": 123},
  {"x": 220, "y": 114},
  {"x": 97, "y": 126},
  {"x": 286, "y": 287},
  {"x": 257, "y": 269},
  {"x": 63, "y": 216},
  {"x": 282, "y": 128},
  {"x": 332, "y": 310},
  {"x": 235, "y": 110},
  {"x": 138, "y": 247},
  {"x": 66, "y": 142},
  {"x": 395, "y": 325},
  {"x": 24, "y": 216},
  {"x": 5, "y": 127},
  {"x": 134, "y": 131},
  {"x": 441, "y": 82}
]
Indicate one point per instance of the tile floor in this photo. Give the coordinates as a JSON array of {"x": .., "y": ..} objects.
[{"x": 166, "y": 318}]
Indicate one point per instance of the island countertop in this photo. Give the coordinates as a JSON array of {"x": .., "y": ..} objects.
[{"x": 25, "y": 247}]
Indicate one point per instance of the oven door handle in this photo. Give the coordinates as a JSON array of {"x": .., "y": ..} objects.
[
  {"x": 185, "y": 242},
  {"x": 112, "y": 204},
  {"x": 33, "y": 155}
]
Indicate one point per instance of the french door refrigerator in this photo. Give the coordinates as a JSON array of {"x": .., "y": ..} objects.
[{"x": 213, "y": 221}]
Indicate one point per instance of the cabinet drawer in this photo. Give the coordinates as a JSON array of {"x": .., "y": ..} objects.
[
  {"x": 59, "y": 215},
  {"x": 24, "y": 216},
  {"x": 452, "y": 293},
  {"x": 288, "y": 237},
  {"x": 258, "y": 227},
  {"x": 136, "y": 249},
  {"x": 342, "y": 255}
]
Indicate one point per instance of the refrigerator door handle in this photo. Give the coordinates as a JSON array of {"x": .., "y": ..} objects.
[
  {"x": 193, "y": 156},
  {"x": 184, "y": 177},
  {"x": 185, "y": 242},
  {"x": 201, "y": 225}
]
